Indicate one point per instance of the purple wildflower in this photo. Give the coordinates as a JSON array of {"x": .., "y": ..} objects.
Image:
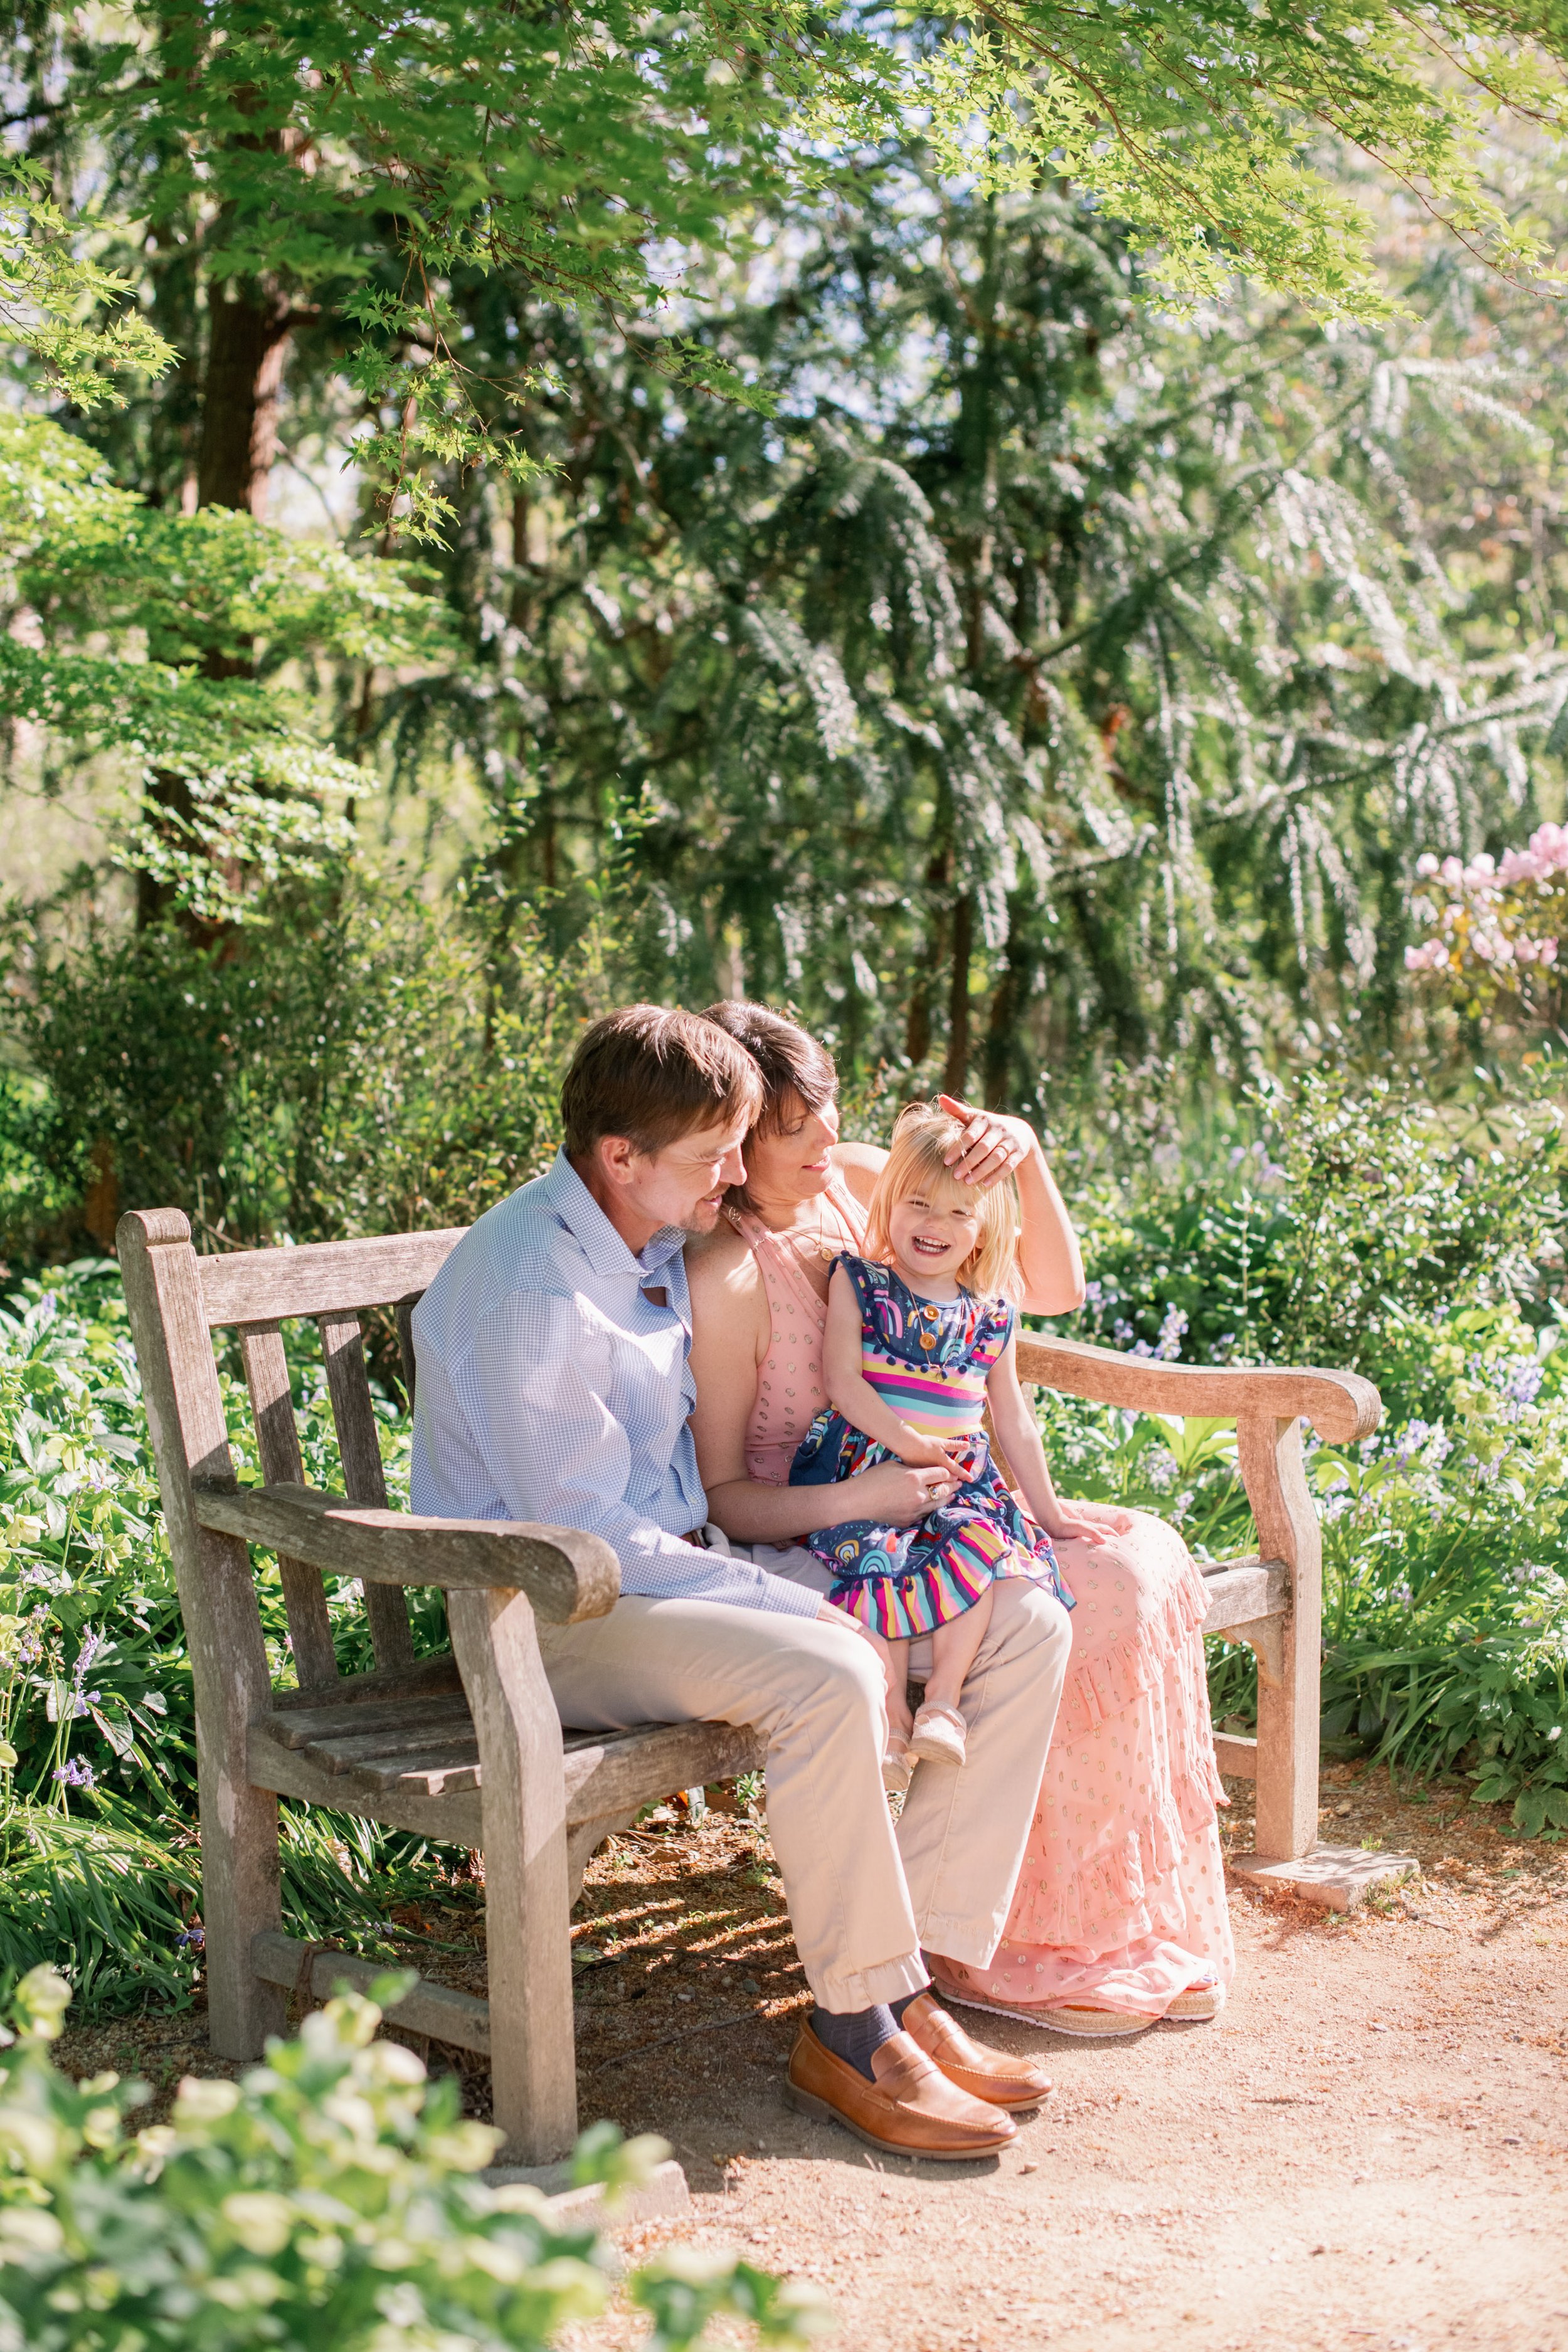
[{"x": 1168, "y": 1343}]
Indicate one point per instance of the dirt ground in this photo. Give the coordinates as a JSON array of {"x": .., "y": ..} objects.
[{"x": 1369, "y": 2149}]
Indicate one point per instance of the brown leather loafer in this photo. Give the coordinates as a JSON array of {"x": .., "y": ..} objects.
[
  {"x": 994, "y": 2075},
  {"x": 911, "y": 2108}
]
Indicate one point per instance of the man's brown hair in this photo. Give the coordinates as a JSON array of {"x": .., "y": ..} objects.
[{"x": 653, "y": 1075}]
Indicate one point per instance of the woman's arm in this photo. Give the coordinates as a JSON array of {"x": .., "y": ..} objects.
[
  {"x": 1018, "y": 1436},
  {"x": 851, "y": 1393},
  {"x": 731, "y": 1332}
]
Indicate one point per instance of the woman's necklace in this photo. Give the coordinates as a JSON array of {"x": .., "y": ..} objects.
[{"x": 817, "y": 1244}]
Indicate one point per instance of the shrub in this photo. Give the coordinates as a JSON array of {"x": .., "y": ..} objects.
[
  {"x": 1422, "y": 1247},
  {"x": 1494, "y": 932},
  {"x": 330, "y": 2197},
  {"x": 1358, "y": 1213},
  {"x": 352, "y": 1061}
]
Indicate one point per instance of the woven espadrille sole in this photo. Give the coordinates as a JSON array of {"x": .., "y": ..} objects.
[
  {"x": 1198, "y": 2006},
  {"x": 1059, "y": 2017}
]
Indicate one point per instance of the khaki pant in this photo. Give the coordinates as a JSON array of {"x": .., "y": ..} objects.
[{"x": 862, "y": 1899}]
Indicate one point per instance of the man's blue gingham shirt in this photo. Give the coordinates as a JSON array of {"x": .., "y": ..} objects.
[{"x": 551, "y": 1387}]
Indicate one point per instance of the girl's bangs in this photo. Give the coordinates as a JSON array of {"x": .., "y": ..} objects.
[{"x": 926, "y": 1171}]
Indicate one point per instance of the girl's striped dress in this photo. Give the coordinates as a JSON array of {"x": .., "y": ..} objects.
[{"x": 931, "y": 1362}]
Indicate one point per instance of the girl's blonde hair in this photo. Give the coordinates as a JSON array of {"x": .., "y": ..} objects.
[{"x": 916, "y": 1162}]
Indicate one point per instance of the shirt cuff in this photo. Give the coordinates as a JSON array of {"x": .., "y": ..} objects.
[{"x": 784, "y": 1599}]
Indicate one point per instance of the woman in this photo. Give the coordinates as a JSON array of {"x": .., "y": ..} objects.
[{"x": 1119, "y": 1913}]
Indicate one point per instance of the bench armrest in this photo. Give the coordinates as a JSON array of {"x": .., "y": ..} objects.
[
  {"x": 1340, "y": 1406},
  {"x": 565, "y": 1573}
]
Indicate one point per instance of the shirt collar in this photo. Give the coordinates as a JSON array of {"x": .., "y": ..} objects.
[{"x": 565, "y": 1193}]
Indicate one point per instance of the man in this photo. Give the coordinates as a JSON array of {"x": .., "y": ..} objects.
[{"x": 554, "y": 1386}]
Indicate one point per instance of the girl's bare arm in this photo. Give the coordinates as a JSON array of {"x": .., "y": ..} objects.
[{"x": 1019, "y": 1439}]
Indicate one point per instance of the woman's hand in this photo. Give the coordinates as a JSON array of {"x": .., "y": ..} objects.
[
  {"x": 1093, "y": 1523},
  {"x": 991, "y": 1147},
  {"x": 895, "y": 1495}
]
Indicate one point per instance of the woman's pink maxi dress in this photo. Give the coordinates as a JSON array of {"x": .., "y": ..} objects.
[{"x": 1120, "y": 1901}]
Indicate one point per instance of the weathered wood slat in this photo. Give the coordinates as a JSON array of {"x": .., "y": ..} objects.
[
  {"x": 405, "y": 1346},
  {"x": 606, "y": 1778},
  {"x": 321, "y": 1278},
  {"x": 445, "y": 2014},
  {"x": 636, "y": 1767},
  {"x": 365, "y": 1481},
  {"x": 1237, "y": 1756},
  {"x": 278, "y": 1444},
  {"x": 386, "y": 1748},
  {"x": 439, "y": 1773},
  {"x": 1240, "y": 1591},
  {"x": 1269, "y": 1453},
  {"x": 566, "y": 1574},
  {"x": 302, "y": 1726},
  {"x": 528, "y": 1893},
  {"x": 1340, "y": 1406},
  {"x": 453, "y": 1819},
  {"x": 422, "y": 1680}
]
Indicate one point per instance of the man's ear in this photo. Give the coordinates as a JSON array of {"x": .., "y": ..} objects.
[{"x": 617, "y": 1155}]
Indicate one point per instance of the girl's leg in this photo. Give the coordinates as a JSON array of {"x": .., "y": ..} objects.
[
  {"x": 900, "y": 1717},
  {"x": 954, "y": 1649}
]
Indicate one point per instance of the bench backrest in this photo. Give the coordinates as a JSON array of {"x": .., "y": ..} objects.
[{"x": 254, "y": 1293}]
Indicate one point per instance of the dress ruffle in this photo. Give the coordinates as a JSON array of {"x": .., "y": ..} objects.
[{"x": 1120, "y": 1898}]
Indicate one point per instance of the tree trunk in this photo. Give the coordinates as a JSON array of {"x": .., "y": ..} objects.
[
  {"x": 247, "y": 343},
  {"x": 1006, "y": 1002},
  {"x": 955, "y": 1072}
]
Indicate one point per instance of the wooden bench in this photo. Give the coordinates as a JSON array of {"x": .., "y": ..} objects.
[
  {"x": 1274, "y": 1600},
  {"x": 467, "y": 1749}
]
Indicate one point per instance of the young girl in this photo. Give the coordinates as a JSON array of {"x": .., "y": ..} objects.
[{"x": 920, "y": 1339}]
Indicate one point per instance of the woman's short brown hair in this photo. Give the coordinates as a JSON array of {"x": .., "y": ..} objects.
[
  {"x": 653, "y": 1075},
  {"x": 790, "y": 1060},
  {"x": 791, "y": 1063}
]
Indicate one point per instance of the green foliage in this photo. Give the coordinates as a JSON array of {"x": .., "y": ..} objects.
[
  {"x": 361, "y": 1062},
  {"x": 330, "y": 2196},
  {"x": 49, "y": 290},
  {"x": 174, "y": 642},
  {"x": 1357, "y": 1212},
  {"x": 1202, "y": 128},
  {"x": 1425, "y": 1251},
  {"x": 1043, "y": 683}
]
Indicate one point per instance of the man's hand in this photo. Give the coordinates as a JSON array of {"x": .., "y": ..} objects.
[{"x": 895, "y": 1495}]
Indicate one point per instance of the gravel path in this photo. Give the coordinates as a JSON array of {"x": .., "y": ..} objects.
[{"x": 1369, "y": 2149}]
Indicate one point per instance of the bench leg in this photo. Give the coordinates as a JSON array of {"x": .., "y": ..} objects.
[
  {"x": 528, "y": 1905},
  {"x": 1270, "y": 1451},
  {"x": 240, "y": 1900}
]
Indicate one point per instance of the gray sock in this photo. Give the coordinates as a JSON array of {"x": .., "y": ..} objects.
[
  {"x": 853, "y": 2034},
  {"x": 902, "y": 2002}
]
